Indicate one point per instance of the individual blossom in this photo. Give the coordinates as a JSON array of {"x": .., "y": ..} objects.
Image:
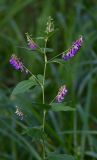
[
  {"x": 31, "y": 44},
  {"x": 61, "y": 94},
  {"x": 73, "y": 50},
  {"x": 17, "y": 64}
]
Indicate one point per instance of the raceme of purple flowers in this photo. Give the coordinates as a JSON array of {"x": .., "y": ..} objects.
[
  {"x": 31, "y": 44},
  {"x": 73, "y": 50},
  {"x": 17, "y": 64},
  {"x": 61, "y": 94}
]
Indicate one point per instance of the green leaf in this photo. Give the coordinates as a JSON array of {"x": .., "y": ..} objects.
[
  {"x": 39, "y": 38},
  {"x": 35, "y": 132},
  {"x": 55, "y": 156},
  {"x": 57, "y": 107},
  {"x": 57, "y": 60},
  {"x": 24, "y": 86},
  {"x": 47, "y": 49}
]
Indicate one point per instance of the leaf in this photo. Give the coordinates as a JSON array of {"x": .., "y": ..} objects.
[
  {"x": 57, "y": 107},
  {"x": 24, "y": 86},
  {"x": 35, "y": 132},
  {"x": 55, "y": 156},
  {"x": 57, "y": 60},
  {"x": 91, "y": 154},
  {"x": 39, "y": 38},
  {"x": 40, "y": 78},
  {"x": 47, "y": 49}
]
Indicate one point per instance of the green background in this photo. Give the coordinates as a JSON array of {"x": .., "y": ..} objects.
[{"x": 72, "y": 133}]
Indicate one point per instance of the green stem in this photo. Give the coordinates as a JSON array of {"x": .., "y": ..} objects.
[
  {"x": 43, "y": 89},
  {"x": 44, "y": 114},
  {"x": 52, "y": 100},
  {"x": 32, "y": 75},
  {"x": 45, "y": 58},
  {"x": 57, "y": 56}
]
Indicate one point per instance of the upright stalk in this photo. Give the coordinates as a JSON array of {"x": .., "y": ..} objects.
[
  {"x": 45, "y": 63},
  {"x": 43, "y": 90}
]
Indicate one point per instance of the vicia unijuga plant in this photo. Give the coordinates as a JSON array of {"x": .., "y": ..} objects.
[{"x": 57, "y": 104}]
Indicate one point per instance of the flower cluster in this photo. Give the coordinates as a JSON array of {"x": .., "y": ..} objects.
[
  {"x": 50, "y": 25},
  {"x": 73, "y": 50},
  {"x": 17, "y": 64},
  {"x": 19, "y": 113},
  {"x": 62, "y": 92},
  {"x": 31, "y": 44}
]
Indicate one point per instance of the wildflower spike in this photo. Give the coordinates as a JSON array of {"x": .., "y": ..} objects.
[
  {"x": 73, "y": 50},
  {"x": 31, "y": 44},
  {"x": 17, "y": 64},
  {"x": 19, "y": 113},
  {"x": 62, "y": 92},
  {"x": 50, "y": 25}
]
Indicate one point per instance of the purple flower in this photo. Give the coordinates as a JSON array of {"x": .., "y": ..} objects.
[
  {"x": 73, "y": 50},
  {"x": 62, "y": 92},
  {"x": 16, "y": 63},
  {"x": 31, "y": 44}
]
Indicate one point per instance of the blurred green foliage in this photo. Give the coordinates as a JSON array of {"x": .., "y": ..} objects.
[{"x": 73, "y": 132}]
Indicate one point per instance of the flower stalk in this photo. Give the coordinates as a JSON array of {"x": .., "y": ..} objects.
[
  {"x": 43, "y": 90},
  {"x": 31, "y": 44}
]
